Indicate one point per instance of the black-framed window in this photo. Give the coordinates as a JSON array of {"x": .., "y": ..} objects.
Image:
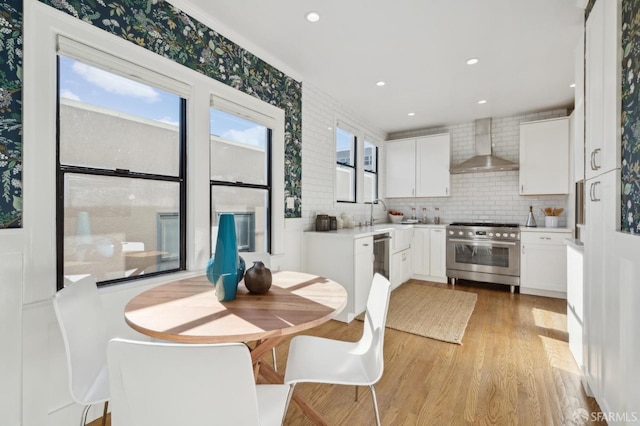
[
  {"x": 121, "y": 165},
  {"x": 240, "y": 168},
  {"x": 370, "y": 171},
  {"x": 346, "y": 165}
]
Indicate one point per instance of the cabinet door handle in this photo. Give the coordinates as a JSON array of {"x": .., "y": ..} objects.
[
  {"x": 523, "y": 249},
  {"x": 413, "y": 191},
  {"x": 521, "y": 188},
  {"x": 446, "y": 191},
  {"x": 545, "y": 238},
  {"x": 366, "y": 245},
  {"x": 594, "y": 164},
  {"x": 592, "y": 192}
]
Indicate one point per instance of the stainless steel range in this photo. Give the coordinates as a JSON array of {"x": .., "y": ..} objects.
[{"x": 488, "y": 252}]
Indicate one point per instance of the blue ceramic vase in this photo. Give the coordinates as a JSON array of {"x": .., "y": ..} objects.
[{"x": 224, "y": 267}]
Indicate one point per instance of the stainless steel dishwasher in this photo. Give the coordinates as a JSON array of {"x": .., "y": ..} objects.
[{"x": 381, "y": 254}]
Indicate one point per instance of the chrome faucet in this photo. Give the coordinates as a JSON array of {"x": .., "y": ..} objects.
[{"x": 384, "y": 206}]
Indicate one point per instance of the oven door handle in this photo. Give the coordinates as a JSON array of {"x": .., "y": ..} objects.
[{"x": 493, "y": 243}]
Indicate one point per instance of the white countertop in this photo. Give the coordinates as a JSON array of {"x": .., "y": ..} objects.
[
  {"x": 574, "y": 243},
  {"x": 543, "y": 229},
  {"x": 381, "y": 228}
]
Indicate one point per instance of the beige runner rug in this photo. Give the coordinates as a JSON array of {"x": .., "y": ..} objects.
[{"x": 437, "y": 313}]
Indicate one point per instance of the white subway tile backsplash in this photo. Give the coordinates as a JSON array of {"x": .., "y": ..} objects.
[{"x": 479, "y": 196}]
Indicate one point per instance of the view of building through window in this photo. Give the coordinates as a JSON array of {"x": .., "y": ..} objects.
[
  {"x": 240, "y": 162},
  {"x": 120, "y": 152},
  {"x": 370, "y": 171},
  {"x": 345, "y": 165}
]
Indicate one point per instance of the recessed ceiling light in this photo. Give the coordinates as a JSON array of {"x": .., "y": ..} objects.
[
  {"x": 472, "y": 61},
  {"x": 482, "y": 101},
  {"x": 411, "y": 114},
  {"x": 380, "y": 83},
  {"x": 572, "y": 85},
  {"x": 312, "y": 16}
]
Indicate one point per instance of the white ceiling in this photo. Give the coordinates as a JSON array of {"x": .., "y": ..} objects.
[{"x": 419, "y": 48}]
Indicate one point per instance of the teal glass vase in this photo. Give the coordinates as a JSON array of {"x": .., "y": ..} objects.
[{"x": 224, "y": 267}]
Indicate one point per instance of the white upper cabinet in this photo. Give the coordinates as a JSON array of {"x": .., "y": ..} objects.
[
  {"x": 401, "y": 168},
  {"x": 544, "y": 157},
  {"x": 432, "y": 166},
  {"x": 418, "y": 167},
  {"x": 602, "y": 131}
]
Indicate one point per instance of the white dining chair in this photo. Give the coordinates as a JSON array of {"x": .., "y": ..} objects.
[
  {"x": 321, "y": 360},
  {"x": 169, "y": 384},
  {"x": 81, "y": 319}
]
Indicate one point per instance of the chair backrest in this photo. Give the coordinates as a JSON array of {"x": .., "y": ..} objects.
[
  {"x": 84, "y": 332},
  {"x": 372, "y": 341},
  {"x": 167, "y": 384}
]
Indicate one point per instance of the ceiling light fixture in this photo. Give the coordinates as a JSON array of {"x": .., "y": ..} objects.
[
  {"x": 482, "y": 101},
  {"x": 312, "y": 16},
  {"x": 572, "y": 85},
  {"x": 411, "y": 114},
  {"x": 380, "y": 83},
  {"x": 472, "y": 61}
]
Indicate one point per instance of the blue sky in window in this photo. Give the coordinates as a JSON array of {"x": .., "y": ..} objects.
[
  {"x": 237, "y": 129},
  {"x": 88, "y": 84}
]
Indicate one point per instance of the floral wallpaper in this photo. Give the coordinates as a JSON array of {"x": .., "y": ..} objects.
[
  {"x": 630, "y": 149},
  {"x": 157, "y": 26},
  {"x": 11, "y": 114}
]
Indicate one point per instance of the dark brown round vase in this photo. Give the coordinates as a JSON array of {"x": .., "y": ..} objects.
[{"x": 257, "y": 279}]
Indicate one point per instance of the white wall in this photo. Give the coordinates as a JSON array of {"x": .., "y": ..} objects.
[
  {"x": 319, "y": 114},
  {"x": 491, "y": 196}
]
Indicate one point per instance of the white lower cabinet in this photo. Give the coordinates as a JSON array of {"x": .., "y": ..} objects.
[
  {"x": 401, "y": 259},
  {"x": 438, "y": 253},
  {"x": 401, "y": 268},
  {"x": 429, "y": 254},
  {"x": 543, "y": 262},
  {"x": 348, "y": 261}
]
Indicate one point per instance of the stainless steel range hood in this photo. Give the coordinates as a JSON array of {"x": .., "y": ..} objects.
[{"x": 484, "y": 160}]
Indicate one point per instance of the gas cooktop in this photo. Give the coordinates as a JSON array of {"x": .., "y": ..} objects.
[{"x": 486, "y": 224}]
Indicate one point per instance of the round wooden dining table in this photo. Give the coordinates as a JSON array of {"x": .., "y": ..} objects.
[{"x": 188, "y": 311}]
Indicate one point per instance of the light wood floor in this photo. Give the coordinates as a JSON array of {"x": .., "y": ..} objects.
[{"x": 513, "y": 368}]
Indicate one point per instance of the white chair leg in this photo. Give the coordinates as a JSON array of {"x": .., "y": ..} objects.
[
  {"x": 375, "y": 404},
  {"x": 83, "y": 417},
  {"x": 275, "y": 364},
  {"x": 286, "y": 406}
]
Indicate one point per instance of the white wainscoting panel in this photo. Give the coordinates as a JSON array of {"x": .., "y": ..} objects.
[{"x": 11, "y": 326}]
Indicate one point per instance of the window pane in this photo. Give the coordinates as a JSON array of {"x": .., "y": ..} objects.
[
  {"x": 345, "y": 184},
  {"x": 239, "y": 149},
  {"x": 345, "y": 147},
  {"x": 108, "y": 121},
  {"x": 370, "y": 157},
  {"x": 251, "y": 210},
  {"x": 370, "y": 187},
  {"x": 120, "y": 227}
]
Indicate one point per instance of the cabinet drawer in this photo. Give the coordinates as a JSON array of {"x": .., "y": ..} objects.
[
  {"x": 552, "y": 238},
  {"x": 363, "y": 245}
]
